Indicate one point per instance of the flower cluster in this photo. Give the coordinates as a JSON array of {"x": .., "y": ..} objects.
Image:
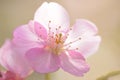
[{"x": 48, "y": 43}]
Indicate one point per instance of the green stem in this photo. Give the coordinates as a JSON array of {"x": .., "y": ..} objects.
[
  {"x": 47, "y": 76},
  {"x": 107, "y": 76}
]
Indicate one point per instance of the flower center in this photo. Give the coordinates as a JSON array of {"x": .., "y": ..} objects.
[
  {"x": 56, "y": 38},
  {"x": 55, "y": 43}
]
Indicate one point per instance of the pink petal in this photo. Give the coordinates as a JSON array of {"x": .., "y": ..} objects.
[
  {"x": 74, "y": 63},
  {"x": 27, "y": 35},
  {"x": 42, "y": 61},
  {"x": 12, "y": 58},
  {"x": 26, "y": 32},
  {"x": 11, "y": 76},
  {"x": 40, "y": 30},
  {"x": 54, "y": 14}
]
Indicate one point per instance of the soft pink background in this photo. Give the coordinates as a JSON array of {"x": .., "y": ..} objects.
[{"x": 104, "y": 13}]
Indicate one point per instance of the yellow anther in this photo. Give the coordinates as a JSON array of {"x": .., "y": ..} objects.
[{"x": 58, "y": 38}]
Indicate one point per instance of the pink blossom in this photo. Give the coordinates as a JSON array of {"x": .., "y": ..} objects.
[
  {"x": 9, "y": 76},
  {"x": 53, "y": 44},
  {"x": 13, "y": 59}
]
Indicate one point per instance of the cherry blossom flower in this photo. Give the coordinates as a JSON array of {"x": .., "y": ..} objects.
[
  {"x": 12, "y": 58},
  {"x": 53, "y": 44},
  {"x": 9, "y": 76}
]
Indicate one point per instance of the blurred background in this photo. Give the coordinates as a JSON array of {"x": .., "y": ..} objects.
[{"x": 104, "y": 13}]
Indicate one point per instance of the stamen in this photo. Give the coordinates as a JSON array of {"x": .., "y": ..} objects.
[
  {"x": 49, "y": 21},
  {"x": 59, "y": 27},
  {"x": 49, "y": 27},
  {"x": 77, "y": 48},
  {"x": 53, "y": 33},
  {"x": 58, "y": 38},
  {"x": 67, "y": 33},
  {"x": 56, "y": 29},
  {"x": 73, "y": 41},
  {"x": 60, "y": 35},
  {"x": 70, "y": 28},
  {"x": 67, "y": 48}
]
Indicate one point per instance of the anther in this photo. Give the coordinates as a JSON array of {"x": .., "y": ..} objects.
[
  {"x": 66, "y": 37},
  {"x": 49, "y": 21},
  {"x": 79, "y": 38},
  {"x": 73, "y": 41},
  {"x": 69, "y": 46},
  {"x": 77, "y": 48},
  {"x": 59, "y": 27},
  {"x": 56, "y": 29},
  {"x": 60, "y": 35},
  {"x": 67, "y": 34},
  {"x": 70, "y": 28}
]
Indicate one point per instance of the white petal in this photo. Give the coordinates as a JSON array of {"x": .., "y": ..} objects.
[
  {"x": 87, "y": 46},
  {"x": 83, "y": 37},
  {"x": 82, "y": 28},
  {"x": 54, "y": 13}
]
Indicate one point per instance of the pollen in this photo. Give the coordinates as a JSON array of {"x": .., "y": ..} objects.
[
  {"x": 55, "y": 40},
  {"x": 58, "y": 38}
]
